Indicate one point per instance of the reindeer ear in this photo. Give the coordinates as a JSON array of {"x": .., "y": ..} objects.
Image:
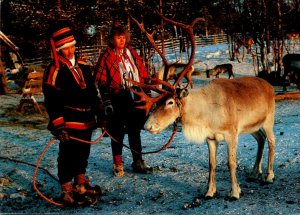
[{"x": 181, "y": 92}]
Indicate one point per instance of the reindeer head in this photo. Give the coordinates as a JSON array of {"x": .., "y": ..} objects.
[
  {"x": 169, "y": 97},
  {"x": 167, "y": 111}
]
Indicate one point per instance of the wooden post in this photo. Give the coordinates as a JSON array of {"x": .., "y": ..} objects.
[
  {"x": 162, "y": 32},
  {"x": 3, "y": 82}
]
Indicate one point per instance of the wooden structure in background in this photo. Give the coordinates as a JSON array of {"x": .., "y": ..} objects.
[
  {"x": 3, "y": 81},
  {"x": 10, "y": 59},
  {"x": 32, "y": 87}
]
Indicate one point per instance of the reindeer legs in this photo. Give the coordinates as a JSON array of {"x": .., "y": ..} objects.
[
  {"x": 271, "y": 142},
  {"x": 232, "y": 147},
  {"x": 260, "y": 137},
  {"x": 212, "y": 189}
]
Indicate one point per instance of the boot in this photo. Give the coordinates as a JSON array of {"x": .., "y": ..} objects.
[
  {"x": 84, "y": 192},
  {"x": 67, "y": 193},
  {"x": 118, "y": 170},
  {"x": 83, "y": 185},
  {"x": 140, "y": 166}
]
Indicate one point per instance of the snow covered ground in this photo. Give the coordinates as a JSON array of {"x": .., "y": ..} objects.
[{"x": 180, "y": 179}]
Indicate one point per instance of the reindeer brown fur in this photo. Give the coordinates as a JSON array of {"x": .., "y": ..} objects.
[
  {"x": 174, "y": 72},
  {"x": 223, "y": 110},
  {"x": 220, "y": 69}
]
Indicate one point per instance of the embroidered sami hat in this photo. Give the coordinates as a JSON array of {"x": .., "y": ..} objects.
[{"x": 63, "y": 38}]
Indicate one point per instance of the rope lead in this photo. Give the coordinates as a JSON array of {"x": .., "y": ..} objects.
[{"x": 104, "y": 132}]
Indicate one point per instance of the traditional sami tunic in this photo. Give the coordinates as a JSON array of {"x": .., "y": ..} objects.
[
  {"x": 70, "y": 98},
  {"x": 70, "y": 95}
]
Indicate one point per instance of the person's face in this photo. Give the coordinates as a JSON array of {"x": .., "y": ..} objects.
[
  {"x": 68, "y": 52},
  {"x": 119, "y": 41}
]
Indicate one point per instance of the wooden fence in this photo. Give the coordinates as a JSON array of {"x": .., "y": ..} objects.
[{"x": 91, "y": 53}]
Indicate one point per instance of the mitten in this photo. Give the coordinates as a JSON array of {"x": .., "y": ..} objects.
[
  {"x": 109, "y": 110},
  {"x": 63, "y": 136}
]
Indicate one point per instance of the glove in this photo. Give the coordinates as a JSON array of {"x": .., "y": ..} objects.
[
  {"x": 102, "y": 120},
  {"x": 63, "y": 136},
  {"x": 109, "y": 110}
]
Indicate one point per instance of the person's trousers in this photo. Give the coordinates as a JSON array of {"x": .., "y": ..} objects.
[
  {"x": 73, "y": 155},
  {"x": 128, "y": 119},
  {"x": 134, "y": 138}
]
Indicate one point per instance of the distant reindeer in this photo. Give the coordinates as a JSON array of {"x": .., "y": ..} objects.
[
  {"x": 223, "y": 110},
  {"x": 291, "y": 64},
  {"x": 174, "y": 72},
  {"x": 220, "y": 69},
  {"x": 293, "y": 40},
  {"x": 293, "y": 36},
  {"x": 246, "y": 42}
]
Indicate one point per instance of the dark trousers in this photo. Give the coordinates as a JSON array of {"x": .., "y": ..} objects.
[
  {"x": 126, "y": 119},
  {"x": 73, "y": 155}
]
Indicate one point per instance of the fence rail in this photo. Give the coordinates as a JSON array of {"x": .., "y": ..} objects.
[{"x": 91, "y": 53}]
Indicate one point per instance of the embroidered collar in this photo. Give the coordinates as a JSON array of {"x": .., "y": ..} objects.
[{"x": 75, "y": 70}]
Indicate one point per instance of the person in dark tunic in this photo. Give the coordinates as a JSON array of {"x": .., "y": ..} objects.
[{"x": 71, "y": 99}]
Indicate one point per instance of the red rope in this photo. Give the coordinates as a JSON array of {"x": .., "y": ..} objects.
[
  {"x": 104, "y": 132},
  {"x": 52, "y": 141},
  {"x": 35, "y": 174}
]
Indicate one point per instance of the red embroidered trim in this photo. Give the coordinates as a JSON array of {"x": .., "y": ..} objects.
[
  {"x": 80, "y": 125},
  {"x": 58, "y": 121},
  {"x": 77, "y": 75}
]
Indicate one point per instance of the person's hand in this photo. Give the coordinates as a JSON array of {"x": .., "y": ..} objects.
[
  {"x": 109, "y": 110},
  {"x": 63, "y": 136},
  {"x": 102, "y": 121}
]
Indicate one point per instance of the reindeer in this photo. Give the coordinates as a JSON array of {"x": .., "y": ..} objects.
[
  {"x": 220, "y": 69},
  {"x": 246, "y": 42},
  {"x": 174, "y": 72},
  {"x": 291, "y": 64},
  {"x": 222, "y": 110},
  {"x": 293, "y": 39}
]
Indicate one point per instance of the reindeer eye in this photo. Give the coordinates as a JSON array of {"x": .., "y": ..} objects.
[{"x": 171, "y": 102}]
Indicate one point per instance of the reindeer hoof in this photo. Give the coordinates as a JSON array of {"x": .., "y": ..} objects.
[
  {"x": 235, "y": 194},
  {"x": 231, "y": 198},
  {"x": 208, "y": 197},
  {"x": 269, "y": 181},
  {"x": 270, "y": 178},
  {"x": 254, "y": 177}
]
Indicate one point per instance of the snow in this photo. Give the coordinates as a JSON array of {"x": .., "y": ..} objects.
[{"x": 180, "y": 179}]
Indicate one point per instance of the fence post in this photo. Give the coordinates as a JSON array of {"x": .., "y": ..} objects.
[{"x": 3, "y": 82}]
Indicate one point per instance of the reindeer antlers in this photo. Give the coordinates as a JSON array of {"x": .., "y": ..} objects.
[
  {"x": 189, "y": 29},
  {"x": 171, "y": 88},
  {"x": 146, "y": 102},
  {"x": 150, "y": 38}
]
